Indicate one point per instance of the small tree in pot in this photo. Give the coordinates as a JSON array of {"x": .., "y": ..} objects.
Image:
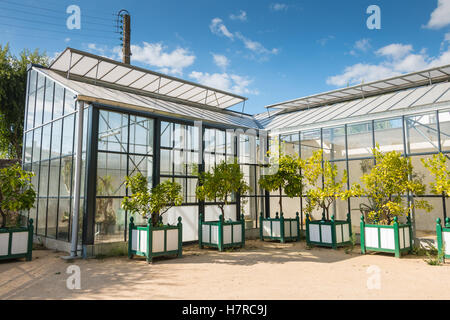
[
  {"x": 386, "y": 184},
  {"x": 323, "y": 196},
  {"x": 151, "y": 204},
  {"x": 218, "y": 185},
  {"x": 16, "y": 192},
  {"x": 287, "y": 177}
]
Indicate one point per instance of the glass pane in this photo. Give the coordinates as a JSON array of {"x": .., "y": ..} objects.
[
  {"x": 166, "y": 162},
  {"x": 191, "y": 186},
  {"x": 389, "y": 135},
  {"x": 142, "y": 165},
  {"x": 109, "y": 220},
  {"x": 310, "y": 142},
  {"x": 58, "y": 104},
  {"x": 54, "y": 178},
  {"x": 166, "y": 134},
  {"x": 179, "y": 162},
  {"x": 37, "y": 144},
  {"x": 39, "y": 101},
  {"x": 422, "y": 133},
  {"x": 31, "y": 100},
  {"x": 111, "y": 173},
  {"x": 46, "y": 136},
  {"x": 290, "y": 144},
  {"x": 43, "y": 181},
  {"x": 444, "y": 126},
  {"x": 42, "y": 216},
  {"x": 210, "y": 140},
  {"x": 52, "y": 218},
  {"x": 56, "y": 139},
  {"x": 334, "y": 143},
  {"x": 28, "y": 146},
  {"x": 66, "y": 173},
  {"x": 63, "y": 219},
  {"x": 68, "y": 135},
  {"x": 359, "y": 140},
  {"x": 113, "y": 132},
  {"x": 141, "y": 135},
  {"x": 180, "y": 136},
  {"x": 48, "y": 105},
  {"x": 69, "y": 102}
]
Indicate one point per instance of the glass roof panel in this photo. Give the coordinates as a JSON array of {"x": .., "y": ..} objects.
[{"x": 90, "y": 66}]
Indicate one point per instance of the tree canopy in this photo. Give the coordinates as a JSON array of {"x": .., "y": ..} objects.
[
  {"x": 286, "y": 176},
  {"x": 220, "y": 183},
  {"x": 386, "y": 185},
  {"x": 13, "y": 82},
  {"x": 152, "y": 203},
  {"x": 16, "y": 191},
  {"x": 437, "y": 165}
]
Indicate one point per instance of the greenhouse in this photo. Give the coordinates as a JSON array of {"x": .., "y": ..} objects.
[{"x": 91, "y": 121}]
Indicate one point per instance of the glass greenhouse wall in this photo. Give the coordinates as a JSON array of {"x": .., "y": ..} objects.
[
  {"x": 127, "y": 133},
  {"x": 349, "y": 147}
]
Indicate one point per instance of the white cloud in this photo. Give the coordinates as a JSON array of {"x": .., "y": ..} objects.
[
  {"x": 398, "y": 59},
  {"x": 221, "y": 60},
  {"x": 156, "y": 54},
  {"x": 224, "y": 81},
  {"x": 278, "y": 6},
  {"x": 255, "y": 46},
  {"x": 242, "y": 16},
  {"x": 395, "y": 50},
  {"x": 362, "y": 45},
  {"x": 67, "y": 40},
  {"x": 217, "y": 27},
  {"x": 440, "y": 17},
  {"x": 324, "y": 41}
]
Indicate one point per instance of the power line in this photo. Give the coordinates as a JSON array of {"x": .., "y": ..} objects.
[
  {"x": 66, "y": 33},
  {"x": 51, "y": 24},
  {"x": 51, "y": 10},
  {"x": 56, "y": 17}
]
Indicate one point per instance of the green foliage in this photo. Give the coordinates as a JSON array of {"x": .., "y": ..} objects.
[
  {"x": 152, "y": 203},
  {"x": 16, "y": 191},
  {"x": 391, "y": 178},
  {"x": 323, "y": 196},
  {"x": 287, "y": 176},
  {"x": 434, "y": 257},
  {"x": 350, "y": 249},
  {"x": 220, "y": 183},
  {"x": 13, "y": 81},
  {"x": 437, "y": 165}
]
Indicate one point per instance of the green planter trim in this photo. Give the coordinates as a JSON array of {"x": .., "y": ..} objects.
[
  {"x": 8, "y": 234},
  {"x": 329, "y": 233},
  {"x": 145, "y": 238},
  {"x": 219, "y": 228},
  {"x": 443, "y": 238},
  {"x": 284, "y": 234},
  {"x": 401, "y": 241}
]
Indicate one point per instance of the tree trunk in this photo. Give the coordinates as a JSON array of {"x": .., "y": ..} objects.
[
  {"x": 3, "y": 225},
  {"x": 281, "y": 201},
  {"x": 155, "y": 218}
]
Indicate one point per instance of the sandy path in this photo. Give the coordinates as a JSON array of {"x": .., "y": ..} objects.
[{"x": 262, "y": 271}]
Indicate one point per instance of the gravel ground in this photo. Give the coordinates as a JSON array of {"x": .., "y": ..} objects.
[{"x": 263, "y": 270}]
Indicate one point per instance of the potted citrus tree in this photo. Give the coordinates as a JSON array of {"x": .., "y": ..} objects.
[
  {"x": 327, "y": 231},
  {"x": 154, "y": 238},
  {"x": 218, "y": 185},
  {"x": 386, "y": 186},
  {"x": 437, "y": 165},
  {"x": 285, "y": 175},
  {"x": 16, "y": 194}
]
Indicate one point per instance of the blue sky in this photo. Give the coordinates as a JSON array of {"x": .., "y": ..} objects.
[{"x": 268, "y": 51}]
